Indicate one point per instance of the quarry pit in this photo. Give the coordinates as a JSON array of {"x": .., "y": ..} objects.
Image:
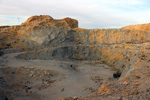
[{"x": 49, "y": 59}]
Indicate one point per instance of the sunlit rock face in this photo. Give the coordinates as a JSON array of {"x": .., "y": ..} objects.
[
  {"x": 42, "y": 31},
  {"x": 45, "y": 20},
  {"x": 142, "y": 27}
]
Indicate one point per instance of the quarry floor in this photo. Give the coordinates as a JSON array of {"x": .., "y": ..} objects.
[{"x": 50, "y": 79}]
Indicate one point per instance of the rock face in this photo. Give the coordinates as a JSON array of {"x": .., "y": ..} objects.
[
  {"x": 126, "y": 49},
  {"x": 143, "y": 27},
  {"x": 34, "y": 31},
  {"x": 42, "y": 31},
  {"x": 45, "y": 20}
]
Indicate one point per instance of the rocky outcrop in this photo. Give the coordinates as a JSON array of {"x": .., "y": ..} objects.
[
  {"x": 45, "y": 20},
  {"x": 142, "y": 27},
  {"x": 34, "y": 31}
]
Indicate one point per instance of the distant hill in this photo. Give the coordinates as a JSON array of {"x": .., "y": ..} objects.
[{"x": 143, "y": 27}]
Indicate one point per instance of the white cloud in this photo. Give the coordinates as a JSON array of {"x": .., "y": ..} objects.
[
  {"x": 3, "y": 20},
  {"x": 126, "y": 2}
]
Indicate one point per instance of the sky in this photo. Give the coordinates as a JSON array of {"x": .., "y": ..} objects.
[{"x": 89, "y": 13}]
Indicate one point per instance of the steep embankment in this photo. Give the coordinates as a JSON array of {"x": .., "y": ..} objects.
[{"x": 126, "y": 49}]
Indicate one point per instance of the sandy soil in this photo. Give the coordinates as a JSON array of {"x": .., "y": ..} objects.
[{"x": 50, "y": 79}]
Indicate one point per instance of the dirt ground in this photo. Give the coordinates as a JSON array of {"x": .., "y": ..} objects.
[{"x": 50, "y": 79}]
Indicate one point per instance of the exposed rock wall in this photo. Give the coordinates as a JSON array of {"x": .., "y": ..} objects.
[
  {"x": 85, "y": 36},
  {"x": 42, "y": 31},
  {"x": 28, "y": 34}
]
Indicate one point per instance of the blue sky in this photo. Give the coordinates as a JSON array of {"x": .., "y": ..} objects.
[{"x": 89, "y": 13}]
